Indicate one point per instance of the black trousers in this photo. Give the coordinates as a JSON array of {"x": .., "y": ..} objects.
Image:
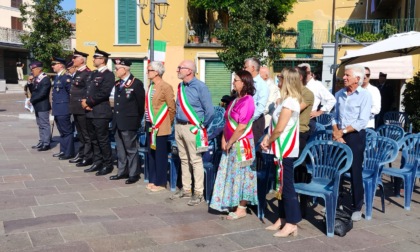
[
  {"x": 258, "y": 128},
  {"x": 289, "y": 205},
  {"x": 158, "y": 160},
  {"x": 99, "y": 134},
  {"x": 65, "y": 128},
  {"x": 127, "y": 146},
  {"x": 85, "y": 148},
  {"x": 357, "y": 143}
]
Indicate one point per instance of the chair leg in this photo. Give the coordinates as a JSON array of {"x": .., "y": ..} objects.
[
  {"x": 369, "y": 194},
  {"x": 381, "y": 189},
  {"x": 330, "y": 209},
  {"x": 408, "y": 191},
  {"x": 172, "y": 173}
]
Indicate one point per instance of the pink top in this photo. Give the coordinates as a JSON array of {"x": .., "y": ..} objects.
[{"x": 242, "y": 113}]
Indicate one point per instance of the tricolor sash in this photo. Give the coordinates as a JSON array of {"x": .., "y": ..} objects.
[
  {"x": 242, "y": 145},
  {"x": 157, "y": 119},
  {"x": 198, "y": 129},
  {"x": 281, "y": 148}
]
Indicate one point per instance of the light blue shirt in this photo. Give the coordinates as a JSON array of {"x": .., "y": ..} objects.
[
  {"x": 353, "y": 109},
  {"x": 199, "y": 97},
  {"x": 260, "y": 97}
]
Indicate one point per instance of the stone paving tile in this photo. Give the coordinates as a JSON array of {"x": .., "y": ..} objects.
[
  {"x": 30, "y": 224},
  {"x": 390, "y": 231},
  {"x": 46, "y": 183},
  {"x": 141, "y": 210},
  {"x": 58, "y": 198},
  {"x": 174, "y": 247},
  {"x": 258, "y": 237},
  {"x": 16, "y": 213},
  {"x": 267, "y": 248},
  {"x": 120, "y": 242},
  {"x": 46, "y": 237},
  {"x": 8, "y": 172},
  {"x": 79, "y": 246},
  {"x": 83, "y": 232},
  {"x": 101, "y": 194},
  {"x": 379, "y": 249},
  {"x": 64, "y": 208},
  {"x": 191, "y": 216},
  {"x": 403, "y": 246},
  {"x": 2, "y": 232},
  {"x": 309, "y": 244},
  {"x": 86, "y": 180},
  {"x": 6, "y": 193},
  {"x": 107, "y": 184},
  {"x": 97, "y": 215},
  {"x": 133, "y": 225},
  {"x": 75, "y": 188},
  {"x": 15, "y": 242},
  {"x": 186, "y": 232},
  {"x": 409, "y": 225},
  {"x": 17, "y": 178},
  {"x": 11, "y": 166},
  {"x": 212, "y": 244},
  {"x": 105, "y": 203},
  {"x": 8, "y": 202},
  {"x": 12, "y": 186},
  {"x": 41, "y": 191}
]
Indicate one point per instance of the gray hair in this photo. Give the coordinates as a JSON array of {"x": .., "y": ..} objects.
[
  {"x": 158, "y": 67},
  {"x": 254, "y": 62},
  {"x": 358, "y": 71},
  {"x": 308, "y": 67},
  {"x": 84, "y": 60}
]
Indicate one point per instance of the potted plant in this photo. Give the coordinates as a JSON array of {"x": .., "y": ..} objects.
[
  {"x": 196, "y": 39},
  {"x": 213, "y": 39}
]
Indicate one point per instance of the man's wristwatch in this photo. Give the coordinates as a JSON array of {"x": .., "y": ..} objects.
[{"x": 344, "y": 131}]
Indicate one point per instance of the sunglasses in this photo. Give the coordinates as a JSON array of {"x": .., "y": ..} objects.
[
  {"x": 54, "y": 63},
  {"x": 179, "y": 68},
  {"x": 367, "y": 75}
]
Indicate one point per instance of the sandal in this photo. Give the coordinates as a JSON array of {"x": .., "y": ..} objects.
[
  {"x": 234, "y": 216},
  {"x": 150, "y": 186},
  {"x": 157, "y": 188}
]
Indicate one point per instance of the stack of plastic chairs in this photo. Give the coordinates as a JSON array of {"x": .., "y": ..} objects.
[
  {"x": 325, "y": 120},
  {"x": 394, "y": 132},
  {"x": 398, "y": 118}
]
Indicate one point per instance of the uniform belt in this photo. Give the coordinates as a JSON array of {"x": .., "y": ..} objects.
[{"x": 182, "y": 122}]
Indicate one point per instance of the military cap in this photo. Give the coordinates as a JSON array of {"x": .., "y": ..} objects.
[
  {"x": 36, "y": 64},
  {"x": 121, "y": 61},
  {"x": 69, "y": 64},
  {"x": 79, "y": 53},
  {"x": 99, "y": 53},
  {"x": 382, "y": 74},
  {"x": 57, "y": 60}
]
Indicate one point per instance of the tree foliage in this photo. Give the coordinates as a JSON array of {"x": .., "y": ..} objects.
[
  {"x": 411, "y": 101},
  {"x": 49, "y": 26}
]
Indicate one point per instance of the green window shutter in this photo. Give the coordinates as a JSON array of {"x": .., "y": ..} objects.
[
  {"x": 127, "y": 22},
  {"x": 218, "y": 80},
  {"x": 137, "y": 69}
]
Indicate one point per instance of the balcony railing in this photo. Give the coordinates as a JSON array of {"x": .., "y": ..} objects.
[
  {"x": 296, "y": 40},
  {"x": 11, "y": 36}
]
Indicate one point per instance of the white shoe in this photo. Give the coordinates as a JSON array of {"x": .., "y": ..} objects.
[{"x": 356, "y": 216}]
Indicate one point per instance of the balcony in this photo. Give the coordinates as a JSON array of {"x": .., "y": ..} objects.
[
  {"x": 301, "y": 43},
  {"x": 201, "y": 36},
  {"x": 11, "y": 36}
]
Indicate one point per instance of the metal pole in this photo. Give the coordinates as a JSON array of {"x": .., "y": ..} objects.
[
  {"x": 333, "y": 20},
  {"x": 335, "y": 66},
  {"x": 152, "y": 30},
  {"x": 367, "y": 7}
]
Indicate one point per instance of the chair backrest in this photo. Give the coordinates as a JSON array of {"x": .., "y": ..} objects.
[
  {"x": 324, "y": 119},
  {"x": 379, "y": 151},
  {"x": 321, "y": 135},
  {"x": 391, "y": 131},
  {"x": 319, "y": 127},
  {"x": 326, "y": 159},
  {"x": 218, "y": 120},
  {"x": 410, "y": 154},
  {"x": 370, "y": 133},
  {"x": 397, "y": 118}
]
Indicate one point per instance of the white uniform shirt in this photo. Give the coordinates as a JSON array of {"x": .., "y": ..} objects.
[
  {"x": 321, "y": 96},
  {"x": 376, "y": 104}
]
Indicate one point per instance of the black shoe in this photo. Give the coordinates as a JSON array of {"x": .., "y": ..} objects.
[
  {"x": 39, "y": 145},
  {"x": 118, "y": 177},
  {"x": 132, "y": 180},
  {"x": 85, "y": 162},
  {"x": 95, "y": 167},
  {"x": 75, "y": 160},
  {"x": 44, "y": 148},
  {"x": 104, "y": 171},
  {"x": 58, "y": 154},
  {"x": 65, "y": 157}
]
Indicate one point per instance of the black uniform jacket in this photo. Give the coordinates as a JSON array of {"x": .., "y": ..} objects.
[
  {"x": 128, "y": 104},
  {"x": 78, "y": 90},
  {"x": 99, "y": 87},
  {"x": 61, "y": 94},
  {"x": 40, "y": 90}
]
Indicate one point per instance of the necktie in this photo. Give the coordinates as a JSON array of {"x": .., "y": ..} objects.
[{"x": 121, "y": 84}]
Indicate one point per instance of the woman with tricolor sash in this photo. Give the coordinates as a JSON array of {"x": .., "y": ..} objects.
[
  {"x": 283, "y": 142},
  {"x": 160, "y": 113},
  {"x": 236, "y": 181}
]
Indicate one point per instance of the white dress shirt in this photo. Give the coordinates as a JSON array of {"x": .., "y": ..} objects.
[
  {"x": 321, "y": 96},
  {"x": 376, "y": 104}
]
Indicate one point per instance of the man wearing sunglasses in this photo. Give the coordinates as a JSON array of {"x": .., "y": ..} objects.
[{"x": 376, "y": 98}]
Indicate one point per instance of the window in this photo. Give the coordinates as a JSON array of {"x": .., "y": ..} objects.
[
  {"x": 127, "y": 22},
  {"x": 16, "y": 3},
  {"x": 16, "y": 23},
  {"x": 218, "y": 79}
]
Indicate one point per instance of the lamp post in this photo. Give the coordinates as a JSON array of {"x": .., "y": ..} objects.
[{"x": 162, "y": 9}]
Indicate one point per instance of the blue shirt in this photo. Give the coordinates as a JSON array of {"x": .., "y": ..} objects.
[
  {"x": 353, "y": 109},
  {"x": 260, "y": 97},
  {"x": 199, "y": 97}
]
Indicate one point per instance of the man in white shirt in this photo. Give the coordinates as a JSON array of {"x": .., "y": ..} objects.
[
  {"x": 321, "y": 96},
  {"x": 376, "y": 98},
  {"x": 272, "y": 97}
]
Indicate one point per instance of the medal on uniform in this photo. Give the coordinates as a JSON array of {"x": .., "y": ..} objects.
[{"x": 58, "y": 89}]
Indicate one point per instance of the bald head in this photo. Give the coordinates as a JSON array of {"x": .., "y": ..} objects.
[
  {"x": 190, "y": 64},
  {"x": 186, "y": 70}
]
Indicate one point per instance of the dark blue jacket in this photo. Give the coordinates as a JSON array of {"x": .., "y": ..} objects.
[
  {"x": 61, "y": 94},
  {"x": 99, "y": 87},
  {"x": 78, "y": 90},
  {"x": 40, "y": 89}
]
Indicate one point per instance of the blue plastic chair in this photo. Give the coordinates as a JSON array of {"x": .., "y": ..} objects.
[
  {"x": 379, "y": 151},
  {"x": 321, "y": 135},
  {"x": 319, "y": 127},
  {"x": 142, "y": 151},
  {"x": 398, "y": 118},
  {"x": 326, "y": 161},
  {"x": 211, "y": 165},
  {"x": 410, "y": 166},
  {"x": 325, "y": 120},
  {"x": 391, "y": 131},
  {"x": 218, "y": 121},
  {"x": 370, "y": 133},
  {"x": 265, "y": 179}
]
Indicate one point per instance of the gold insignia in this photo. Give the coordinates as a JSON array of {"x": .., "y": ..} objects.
[{"x": 68, "y": 80}]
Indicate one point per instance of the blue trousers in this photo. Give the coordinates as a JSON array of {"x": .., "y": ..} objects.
[
  {"x": 65, "y": 128},
  {"x": 289, "y": 205},
  {"x": 127, "y": 146},
  {"x": 158, "y": 160},
  {"x": 44, "y": 127}
]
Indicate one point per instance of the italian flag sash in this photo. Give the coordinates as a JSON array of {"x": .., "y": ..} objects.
[
  {"x": 157, "y": 119},
  {"x": 198, "y": 129},
  {"x": 281, "y": 148},
  {"x": 242, "y": 145}
]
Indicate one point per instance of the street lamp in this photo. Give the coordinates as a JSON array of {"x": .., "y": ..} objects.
[{"x": 162, "y": 10}]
